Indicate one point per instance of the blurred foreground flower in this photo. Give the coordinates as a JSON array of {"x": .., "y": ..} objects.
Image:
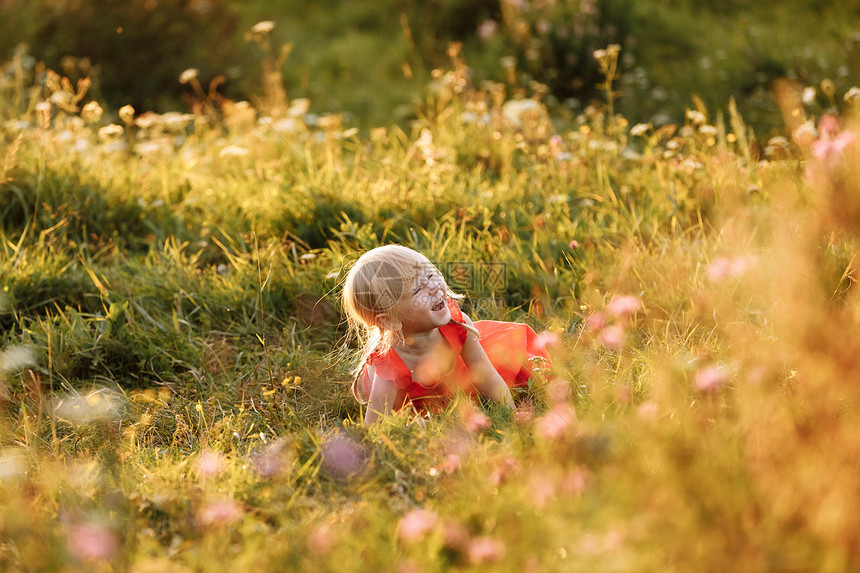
[
  {"x": 483, "y": 550},
  {"x": 621, "y": 305},
  {"x": 710, "y": 378},
  {"x": 90, "y": 541},
  {"x": 16, "y": 358},
  {"x": 13, "y": 464},
  {"x": 320, "y": 539},
  {"x": 727, "y": 268},
  {"x": 343, "y": 457},
  {"x": 209, "y": 464},
  {"x": 102, "y": 405},
  {"x": 273, "y": 460},
  {"x": 219, "y": 512},
  {"x": 612, "y": 337},
  {"x": 473, "y": 420},
  {"x": 415, "y": 524},
  {"x": 557, "y": 422}
]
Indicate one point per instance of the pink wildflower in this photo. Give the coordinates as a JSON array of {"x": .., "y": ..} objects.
[
  {"x": 219, "y": 512},
  {"x": 573, "y": 244},
  {"x": 523, "y": 415},
  {"x": 320, "y": 540},
  {"x": 542, "y": 489},
  {"x": 724, "y": 267},
  {"x": 92, "y": 541},
  {"x": 575, "y": 482},
  {"x": 475, "y": 421},
  {"x": 343, "y": 457},
  {"x": 612, "y": 337},
  {"x": 595, "y": 322},
  {"x": 548, "y": 339},
  {"x": 710, "y": 379},
  {"x": 209, "y": 464},
  {"x": 621, "y": 305},
  {"x": 507, "y": 467},
  {"x": 648, "y": 411},
  {"x": 415, "y": 524},
  {"x": 451, "y": 464},
  {"x": 557, "y": 422},
  {"x": 487, "y": 28},
  {"x": 483, "y": 550}
]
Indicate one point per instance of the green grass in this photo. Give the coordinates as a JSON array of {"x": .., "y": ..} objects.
[{"x": 175, "y": 366}]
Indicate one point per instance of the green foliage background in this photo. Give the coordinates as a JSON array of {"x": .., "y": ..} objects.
[{"x": 373, "y": 59}]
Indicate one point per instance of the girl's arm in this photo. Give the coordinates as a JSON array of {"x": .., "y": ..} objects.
[
  {"x": 384, "y": 398},
  {"x": 486, "y": 378}
]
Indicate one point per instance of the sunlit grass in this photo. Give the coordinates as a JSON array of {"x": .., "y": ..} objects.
[{"x": 175, "y": 377}]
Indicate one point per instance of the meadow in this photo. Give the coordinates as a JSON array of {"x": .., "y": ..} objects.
[{"x": 175, "y": 367}]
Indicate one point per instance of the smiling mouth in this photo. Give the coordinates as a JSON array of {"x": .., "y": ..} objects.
[{"x": 439, "y": 305}]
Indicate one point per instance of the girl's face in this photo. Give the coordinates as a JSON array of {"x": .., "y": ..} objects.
[{"x": 424, "y": 306}]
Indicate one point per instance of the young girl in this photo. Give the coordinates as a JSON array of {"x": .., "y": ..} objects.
[{"x": 418, "y": 347}]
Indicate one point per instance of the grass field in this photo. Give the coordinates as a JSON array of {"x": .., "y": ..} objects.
[{"x": 175, "y": 367}]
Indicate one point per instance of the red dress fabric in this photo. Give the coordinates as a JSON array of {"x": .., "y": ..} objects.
[{"x": 513, "y": 348}]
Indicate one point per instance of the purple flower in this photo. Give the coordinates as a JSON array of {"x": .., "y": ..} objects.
[{"x": 343, "y": 457}]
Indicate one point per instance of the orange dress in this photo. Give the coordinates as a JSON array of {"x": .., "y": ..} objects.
[{"x": 513, "y": 348}]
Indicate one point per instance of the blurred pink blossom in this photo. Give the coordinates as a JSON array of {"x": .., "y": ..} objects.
[
  {"x": 487, "y": 28},
  {"x": 506, "y": 468},
  {"x": 710, "y": 378},
  {"x": 542, "y": 489},
  {"x": 557, "y": 422},
  {"x": 724, "y": 267},
  {"x": 219, "y": 512},
  {"x": 92, "y": 541},
  {"x": 475, "y": 421},
  {"x": 451, "y": 464},
  {"x": 523, "y": 415},
  {"x": 612, "y": 337},
  {"x": 595, "y": 321},
  {"x": 455, "y": 534},
  {"x": 415, "y": 524},
  {"x": 320, "y": 539},
  {"x": 273, "y": 460},
  {"x": 209, "y": 464},
  {"x": 576, "y": 481},
  {"x": 548, "y": 339},
  {"x": 483, "y": 550},
  {"x": 343, "y": 456},
  {"x": 573, "y": 244},
  {"x": 624, "y": 304},
  {"x": 648, "y": 411}
]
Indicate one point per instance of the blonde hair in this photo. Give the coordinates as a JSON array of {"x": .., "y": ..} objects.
[{"x": 373, "y": 286}]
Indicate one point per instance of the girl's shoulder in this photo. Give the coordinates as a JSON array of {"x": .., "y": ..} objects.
[{"x": 385, "y": 365}]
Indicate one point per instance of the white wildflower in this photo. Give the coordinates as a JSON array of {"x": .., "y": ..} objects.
[
  {"x": 640, "y": 129},
  {"x": 696, "y": 117},
  {"x": 808, "y": 95},
  {"x": 852, "y": 95},
  {"x": 92, "y": 112},
  {"x": 188, "y": 75},
  {"x": 234, "y": 151},
  {"x": 17, "y": 358},
  {"x": 263, "y": 27},
  {"x": 101, "y": 405},
  {"x": 112, "y": 130}
]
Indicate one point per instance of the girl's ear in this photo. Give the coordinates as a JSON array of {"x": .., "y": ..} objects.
[{"x": 388, "y": 322}]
